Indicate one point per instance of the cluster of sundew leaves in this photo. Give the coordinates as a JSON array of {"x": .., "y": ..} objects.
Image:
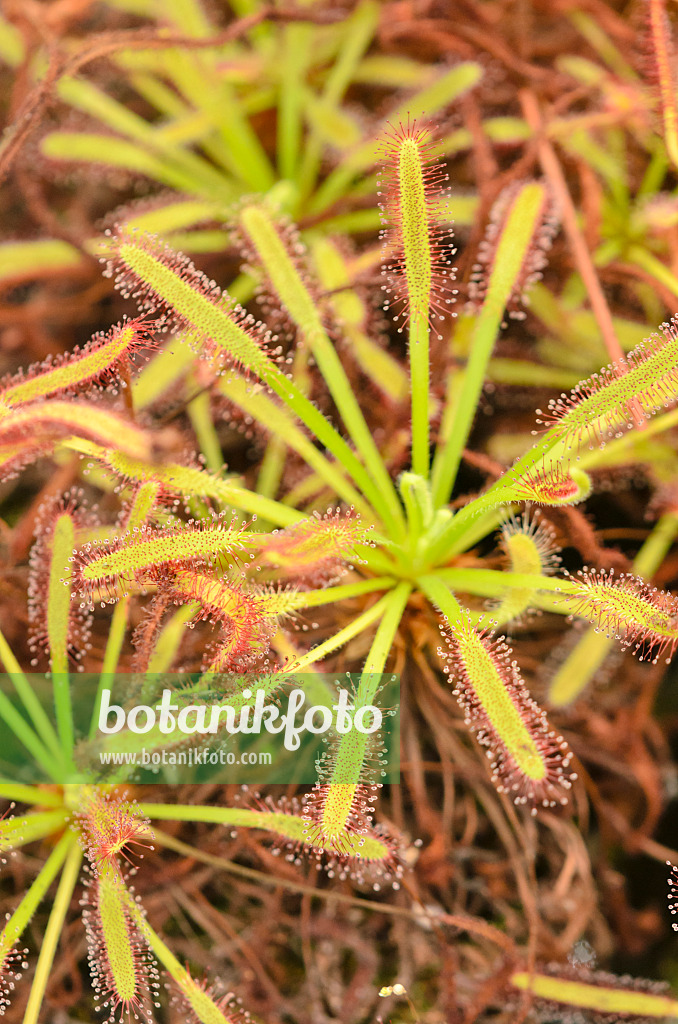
[
  {"x": 657, "y": 7},
  {"x": 527, "y": 788},
  {"x": 200, "y": 561},
  {"x": 527, "y": 757},
  {"x": 224, "y": 157},
  {"x": 154, "y": 275},
  {"x": 170, "y": 559}
]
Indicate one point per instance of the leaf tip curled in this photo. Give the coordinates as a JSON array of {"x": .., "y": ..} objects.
[
  {"x": 528, "y": 760},
  {"x": 529, "y": 547},
  {"x": 110, "y": 825},
  {"x": 553, "y": 484},
  {"x": 529, "y": 544},
  {"x": 247, "y": 619}
]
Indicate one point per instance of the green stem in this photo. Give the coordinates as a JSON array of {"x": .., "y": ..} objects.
[
  {"x": 418, "y": 508},
  {"x": 24, "y": 733},
  {"x": 440, "y": 596},
  {"x": 282, "y": 425},
  {"x": 604, "y": 1000},
  {"x": 359, "y": 624},
  {"x": 292, "y": 827},
  {"x": 61, "y": 686},
  {"x": 190, "y": 482},
  {"x": 484, "y": 336},
  {"x": 258, "y": 505},
  {"x": 116, "y": 638},
  {"x": 654, "y": 267},
  {"x": 35, "y": 710},
  {"x": 29, "y": 794},
  {"x": 349, "y": 760},
  {"x": 55, "y": 924},
  {"x": 656, "y": 547},
  {"x": 296, "y": 54},
  {"x": 454, "y": 390},
  {"x": 227, "y": 337},
  {"x": 618, "y": 445},
  {"x": 315, "y": 598},
  {"x": 493, "y": 582},
  {"x": 203, "y": 1008},
  {"x": 16, "y": 832},
  {"x": 419, "y": 376},
  {"x": 452, "y": 539},
  {"x": 515, "y": 241},
  {"x": 272, "y": 468},
  {"x": 200, "y": 414},
  {"x": 325, "y": 433},
  {"x": 382, "y": 644},
  {"x": 17, "y": 923},
  {"x": 359, "y": 28},
  {"x": 167, "y": 644},
  {"x": 285, "y": 278},
  {"x": 202, "y": 813}
]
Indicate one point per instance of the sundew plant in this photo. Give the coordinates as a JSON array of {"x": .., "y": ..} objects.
[
  {"x": 368, "y": 532},
  {"x": 250, "y": 563}
]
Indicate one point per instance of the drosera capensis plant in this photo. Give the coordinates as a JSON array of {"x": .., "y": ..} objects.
[{"x": 403, "y": 541}]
